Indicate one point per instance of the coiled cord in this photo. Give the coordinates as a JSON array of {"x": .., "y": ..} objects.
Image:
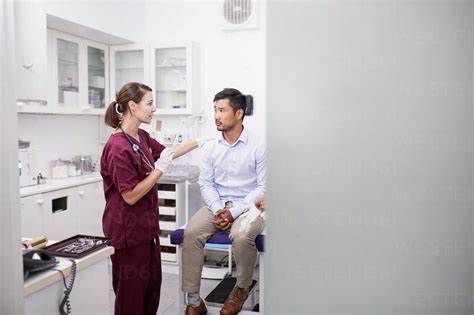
[{"x": 65, "y": 301}]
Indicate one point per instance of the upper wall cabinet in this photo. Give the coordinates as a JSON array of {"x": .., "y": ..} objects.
[
  {"x": 79, "y": 74},
  {"x": 167, "y": 69},
  {"x": 31, "y": 52},
  {"x": 129, "y": 63}
]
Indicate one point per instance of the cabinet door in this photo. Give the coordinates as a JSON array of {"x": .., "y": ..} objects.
[
  {"x": 97, "y": 75},
  {"x": 128, "y": 63},
  {"x": 32, "y": 216},
  {"x": 172, "y": 78},
  {"x": 60, "y": 213},
  {"x": 66, "y": 57},
  {"x": 31, "y": 51},
  {"x": 91, "y": 205}
]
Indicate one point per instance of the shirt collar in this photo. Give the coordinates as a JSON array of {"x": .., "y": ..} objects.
[{"x": 244, "y": 137}]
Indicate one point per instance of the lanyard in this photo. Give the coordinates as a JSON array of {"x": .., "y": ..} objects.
[{"x": 137, "y": 150}]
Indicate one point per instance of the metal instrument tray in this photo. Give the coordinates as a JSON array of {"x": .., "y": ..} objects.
[{"x": 78, "y": 246}]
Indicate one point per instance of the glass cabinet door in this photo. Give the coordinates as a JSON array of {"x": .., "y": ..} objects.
[
  {"x": 170, "y": 76},
  {"x": 129, "y": 67},
  {"x": 96, "y": 77},
  {"x": 68, "y": 73}
]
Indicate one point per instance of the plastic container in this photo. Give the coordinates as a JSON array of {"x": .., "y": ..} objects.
[{"x": 59, "y": 169}]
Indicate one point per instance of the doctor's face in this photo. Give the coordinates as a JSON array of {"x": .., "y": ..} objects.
[
  {"x": 145, "y": 109},
  {"x": 224, "y": 115}
]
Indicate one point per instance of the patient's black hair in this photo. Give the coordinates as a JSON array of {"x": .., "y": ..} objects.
[{"x": 237, "y": 99}]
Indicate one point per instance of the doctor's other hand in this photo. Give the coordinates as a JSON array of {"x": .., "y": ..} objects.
[
  {"x": 202, "y": 140},
  {"x": 223, "y": 219},
  {"x": 165, "y": 159}
]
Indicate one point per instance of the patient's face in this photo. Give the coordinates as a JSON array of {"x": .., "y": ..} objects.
[{"x": 224, "y": 115}]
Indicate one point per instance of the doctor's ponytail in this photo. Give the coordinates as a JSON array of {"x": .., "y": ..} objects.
[{"x": 132, "y": 91}]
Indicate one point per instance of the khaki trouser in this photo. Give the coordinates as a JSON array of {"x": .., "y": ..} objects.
[{"x": 197, "y": 232}]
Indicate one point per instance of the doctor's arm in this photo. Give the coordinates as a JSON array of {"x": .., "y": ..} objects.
[
  {"x": 184, "y": 148},
  {"x": 143, "y": 187}
]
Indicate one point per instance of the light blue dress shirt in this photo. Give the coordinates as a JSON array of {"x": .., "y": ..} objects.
[{"x": 234, "y": 173}]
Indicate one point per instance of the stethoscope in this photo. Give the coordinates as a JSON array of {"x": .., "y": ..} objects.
[{"x": 137, "y": 150}]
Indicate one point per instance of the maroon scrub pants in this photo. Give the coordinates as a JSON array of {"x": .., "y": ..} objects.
[{"x": 137, "y": 279}]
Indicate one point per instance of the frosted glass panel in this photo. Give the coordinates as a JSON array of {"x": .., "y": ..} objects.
[
  {"x": 171, "y": 77},
  {"x": 96, "y": 77},
  {"x": 128, "y": 67},
  {"x": 68, "y": 73}
]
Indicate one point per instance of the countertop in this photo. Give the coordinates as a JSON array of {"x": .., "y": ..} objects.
[
  {"x": 175, "y": 175},
  {"x": 43, "y": 279},
  {"x": 53, "y": 184}
]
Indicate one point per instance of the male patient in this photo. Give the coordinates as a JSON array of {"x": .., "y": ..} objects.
[{"x": 232, "y": 179}]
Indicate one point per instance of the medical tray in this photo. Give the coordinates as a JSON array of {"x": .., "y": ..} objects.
[{"x": 78, "y": 246}]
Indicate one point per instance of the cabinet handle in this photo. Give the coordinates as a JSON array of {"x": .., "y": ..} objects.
[
  {"x": 81, "y": 192},
  {"x": 40, "y": 201}
]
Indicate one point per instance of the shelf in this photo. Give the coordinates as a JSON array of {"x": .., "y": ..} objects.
[
  {"x": 96, "y": 67},
  {"x": 164, "y": 67},
  {"x": 68, "y": 61},
  {"x": 96, "y": 88},
  {"x": 128, "y": 69}
]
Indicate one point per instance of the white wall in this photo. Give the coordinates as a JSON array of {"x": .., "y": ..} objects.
[
  {"x": 370, "y": 175},
  {"x": 123, "y": 19},
  {"x": 227, "y": 59},
  {"x": 60, "y": 136}
]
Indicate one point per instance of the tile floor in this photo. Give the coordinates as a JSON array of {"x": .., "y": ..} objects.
[{"x": 169, "y": 292}]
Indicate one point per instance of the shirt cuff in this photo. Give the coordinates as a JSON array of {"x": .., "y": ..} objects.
[
  {"x": 236, "y": 211},
  {"x": 216, "y": 206}
]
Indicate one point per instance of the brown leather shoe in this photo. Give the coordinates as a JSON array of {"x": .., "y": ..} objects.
[
  {"x": 234, "y": 302},
  {"x": 198, "y": 310}
]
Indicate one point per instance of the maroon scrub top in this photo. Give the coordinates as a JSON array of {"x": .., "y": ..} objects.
[{"x": 122, "y": 169}]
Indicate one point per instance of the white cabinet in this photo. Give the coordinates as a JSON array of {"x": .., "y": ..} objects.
[
  {"x": 172, "y": 78},
  {"x": 32, "y": 215},
  {"x": 63, "y": 213},
  {"x": 60, "y": 213},
  {"x": 128, "y": 63},
  {"x": 170, "y": 70},
  {"x": 177, "y": 202},
  {"x": 31, "y": 50},
  {"x": 91, "y": 204},
  {"x": 79, "y": 74}
]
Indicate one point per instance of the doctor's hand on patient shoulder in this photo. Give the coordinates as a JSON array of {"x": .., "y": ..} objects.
[
  {"x": 165, "y": 159},
  {"x": 223, "y": 219}
]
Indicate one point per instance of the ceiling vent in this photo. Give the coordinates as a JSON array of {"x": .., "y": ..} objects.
[{"x": 240, "y": 15}]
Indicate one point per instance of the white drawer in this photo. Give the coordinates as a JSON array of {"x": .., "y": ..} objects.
[
  {"x": 167, "y": 210},
  {"x": 168, "y": 225},
  {"x": 163, "y": 194},
  {"x": 166, "y": 241},
  {"x": 168, "y": 257}
]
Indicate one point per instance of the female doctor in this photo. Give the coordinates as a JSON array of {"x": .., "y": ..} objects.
[{"x": 131, "y": 213}]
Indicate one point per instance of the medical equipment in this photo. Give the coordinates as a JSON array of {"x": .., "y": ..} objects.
[{"x": 139, "y": 151}]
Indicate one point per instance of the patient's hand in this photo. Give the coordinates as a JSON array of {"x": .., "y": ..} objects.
[{"x": 223, "y": 219}]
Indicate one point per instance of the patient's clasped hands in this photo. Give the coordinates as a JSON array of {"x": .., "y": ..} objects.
[{"x": 223, "y": 219}]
